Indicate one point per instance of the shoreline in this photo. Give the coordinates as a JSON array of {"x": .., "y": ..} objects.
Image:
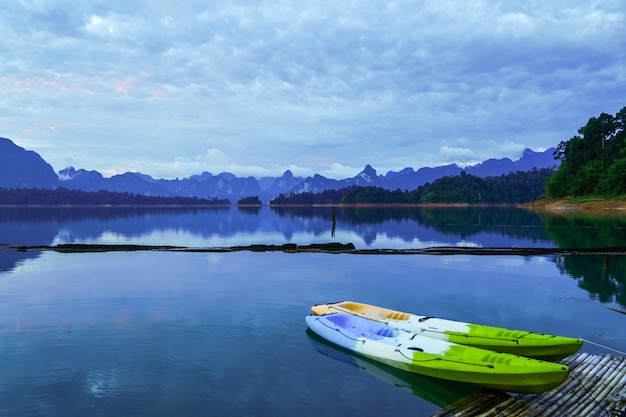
[
  {"x": 589, "y": 206},
  {"x": 553, "y": 205}
]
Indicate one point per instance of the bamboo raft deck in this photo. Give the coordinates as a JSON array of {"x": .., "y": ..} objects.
[{"x": 596, "y": 386}]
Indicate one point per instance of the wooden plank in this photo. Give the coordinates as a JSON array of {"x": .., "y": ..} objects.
[{"x": 596, "y": 386}]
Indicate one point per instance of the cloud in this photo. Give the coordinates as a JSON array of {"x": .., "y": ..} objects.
[
  {"x": 304, "y": 84},
  {"x": 337, "y": 170},
  {"x": 456, "y": 154},
  {"x": 213, "y": 155}
]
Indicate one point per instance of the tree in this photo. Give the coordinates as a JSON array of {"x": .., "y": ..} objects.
[
  {"x": 592, "y": 160},
  {"x": 615, "y": 180}
]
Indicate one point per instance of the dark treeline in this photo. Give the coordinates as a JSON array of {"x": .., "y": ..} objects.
[
  {"x": 308, "y": 198},
  {"x": 519, "y": 187},
  {"x": 594, "y": 161},
  {"x": 254, "y": 200},
  {"x": 514, "y": 188},
  {"x": 64, "y": 196}
]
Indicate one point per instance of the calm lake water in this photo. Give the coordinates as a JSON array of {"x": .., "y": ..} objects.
[{"x": 223, "y": 334}]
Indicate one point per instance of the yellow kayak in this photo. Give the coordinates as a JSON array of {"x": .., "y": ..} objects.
[{"x": 519, "y": 342}]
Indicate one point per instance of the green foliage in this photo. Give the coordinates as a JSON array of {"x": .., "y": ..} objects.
[
  {"x": 594, "y": 161},
  {"x": 615, "y": 181},
  {"x": 64, "y": 196},
  {"x": 556, "y": 185}
]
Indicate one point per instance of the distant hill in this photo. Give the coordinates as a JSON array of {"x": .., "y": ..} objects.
[
  {"x": 409, "y": 179},
  {"x": 20, "y": 168},
  {"x": 528, "y": 161},
  {"x": 512, "y": 188}
]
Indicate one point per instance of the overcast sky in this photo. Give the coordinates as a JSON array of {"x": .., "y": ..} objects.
[{"x": 175, "y": 88}]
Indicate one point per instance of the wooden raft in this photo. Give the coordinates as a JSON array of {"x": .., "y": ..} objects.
[{"x": 596, "y": 386}]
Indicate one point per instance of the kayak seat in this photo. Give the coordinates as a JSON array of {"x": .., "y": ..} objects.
[
  {"x": 396, "y": 315},
  {"x": 386, "y": 332}
]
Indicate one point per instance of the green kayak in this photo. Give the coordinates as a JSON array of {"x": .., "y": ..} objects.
[{"x": 519, "y": 342}]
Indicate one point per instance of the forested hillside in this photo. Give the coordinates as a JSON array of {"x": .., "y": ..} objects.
[
  {"x": 520, "y": 187},
  {"x": 592, "y": 162}
]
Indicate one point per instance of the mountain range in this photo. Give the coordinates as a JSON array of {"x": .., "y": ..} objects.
[{"x": 21, "y": 168}]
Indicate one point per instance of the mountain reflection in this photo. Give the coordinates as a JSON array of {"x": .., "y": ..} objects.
[
  {"x": 407, "y": 227},
  {"x": 366, "y": 228},
  {"x": 473, "y": 226}
]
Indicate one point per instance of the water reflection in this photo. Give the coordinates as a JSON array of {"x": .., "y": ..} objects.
[
  {"x": 423, "y": 226},
  {"x": 602, "y": 276},
  {"x": 581, "y": 230},
  {"x": 405, "y": 227},
  {"x": 170, "y": 333},
  {"x": 439, "y": 392},
  {"x": 388, "y": 227}
]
